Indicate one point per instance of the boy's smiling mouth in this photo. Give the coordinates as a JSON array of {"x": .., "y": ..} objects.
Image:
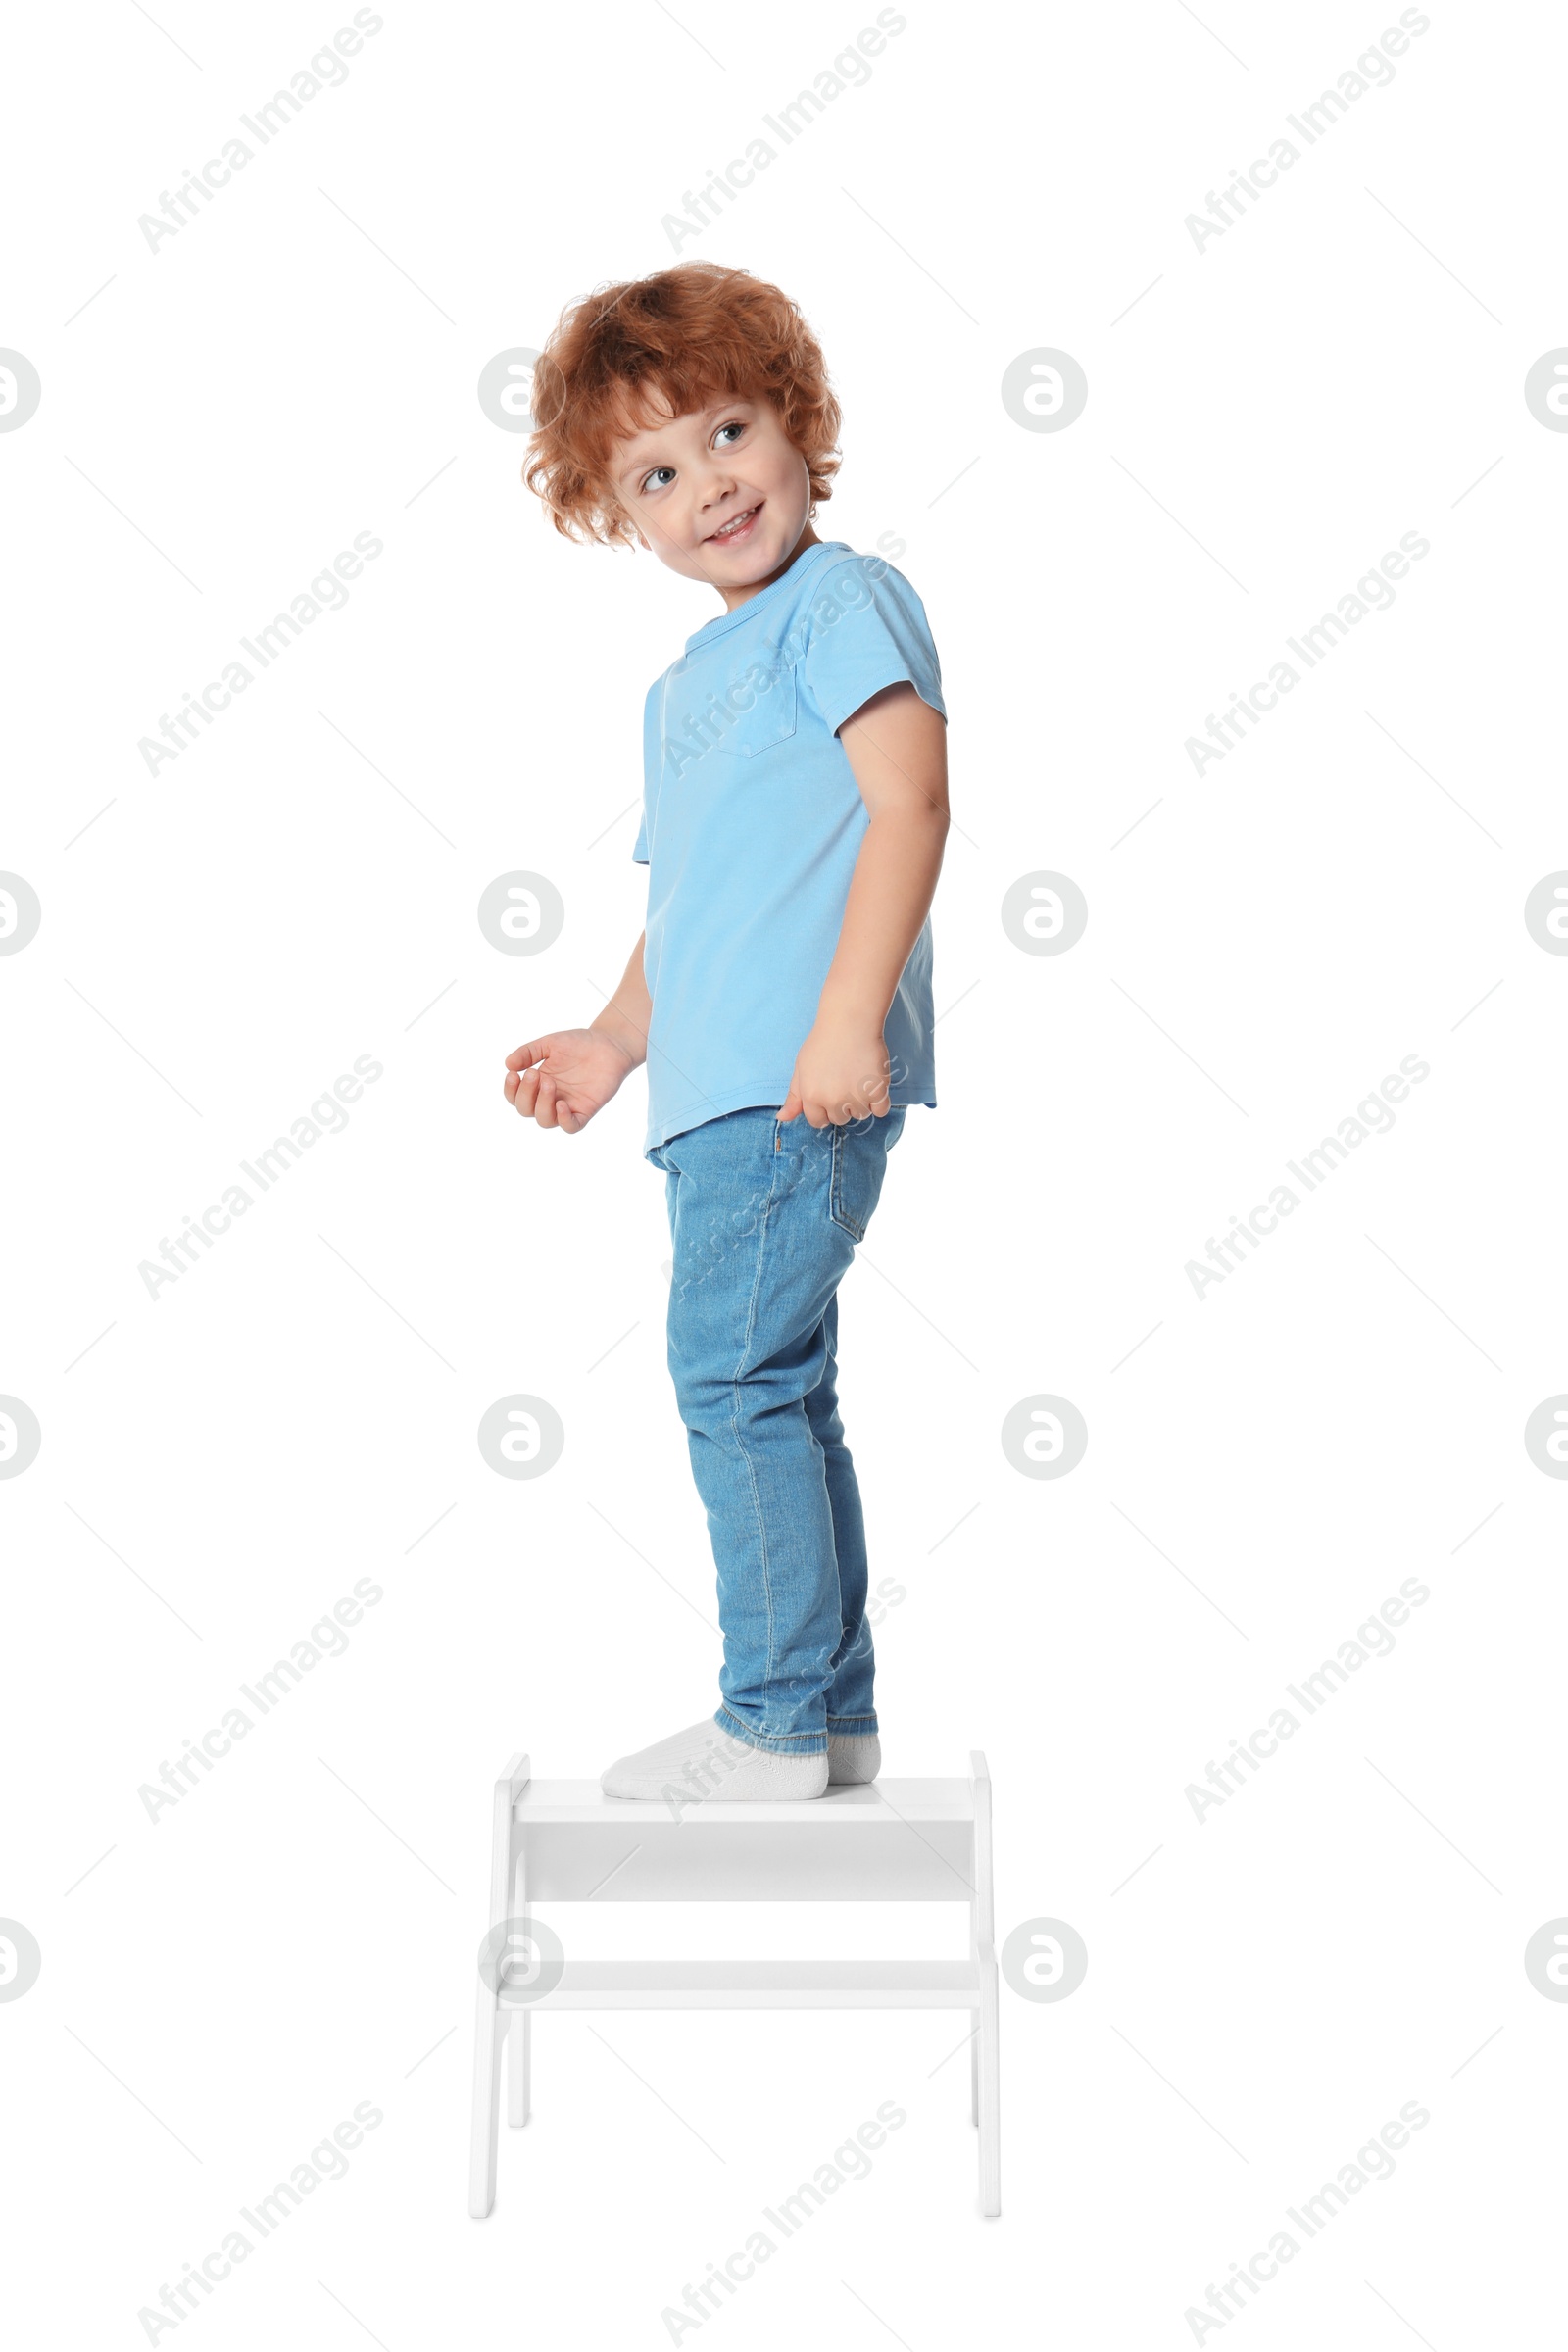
[{"x": 738, "y": 527}]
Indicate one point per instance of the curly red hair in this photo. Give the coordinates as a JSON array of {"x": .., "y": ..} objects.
[{"x": 686, "y": 335}]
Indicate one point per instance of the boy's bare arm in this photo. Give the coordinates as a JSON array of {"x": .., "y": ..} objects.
[
  {"x": 562, "y": 1079},
  {"x": 627, "y": 1016},
  {"x": 897, "y": 749}
]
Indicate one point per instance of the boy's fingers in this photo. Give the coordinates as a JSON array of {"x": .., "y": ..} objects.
[
  {"x": 544, "y": 1109},
  {"x": 792, "y": 1106},
  {"x": 521, "y": 1056}
]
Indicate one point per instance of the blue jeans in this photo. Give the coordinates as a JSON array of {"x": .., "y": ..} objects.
[{"x": 764, "y": 1220}]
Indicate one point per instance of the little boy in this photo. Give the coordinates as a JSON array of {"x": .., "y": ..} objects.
[{"x": 794, "y": 813}]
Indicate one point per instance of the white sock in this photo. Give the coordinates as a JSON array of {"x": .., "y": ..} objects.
[
  {"x": 703, "y": 1764},
  {"x": 853, "y": 1758}
]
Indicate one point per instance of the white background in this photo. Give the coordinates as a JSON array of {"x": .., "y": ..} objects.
[{"x": 219, "y": 1464}]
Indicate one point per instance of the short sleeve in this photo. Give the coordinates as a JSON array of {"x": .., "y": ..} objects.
[
  {"x": 640, "y": 853},
  {"x": 868, "y": 630}
]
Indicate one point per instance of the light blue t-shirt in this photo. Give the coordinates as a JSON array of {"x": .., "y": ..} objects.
[{"x": 752, "y": 825}]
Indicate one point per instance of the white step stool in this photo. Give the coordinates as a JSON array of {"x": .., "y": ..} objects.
[{"x": 560, "y": 1841}]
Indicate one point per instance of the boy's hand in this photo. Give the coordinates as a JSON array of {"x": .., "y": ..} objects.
[
  {"x": 841, "y": 1074},
  {"x": 563, "y": 1079}
]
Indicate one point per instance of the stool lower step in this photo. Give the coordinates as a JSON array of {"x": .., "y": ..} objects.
[{"x": 758, "y": 1984}]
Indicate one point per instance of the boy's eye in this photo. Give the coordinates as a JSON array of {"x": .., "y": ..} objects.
[
  {"x": 652, "y": 481},
  {"x": 735, "y": 426}
]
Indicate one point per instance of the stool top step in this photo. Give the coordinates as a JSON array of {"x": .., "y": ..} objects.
[{"x": 893, "y": 1802}]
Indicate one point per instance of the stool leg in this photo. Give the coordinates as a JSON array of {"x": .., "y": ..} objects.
[
  {"x": 989, "y": 2087},
  {"x": 519, "y": 2027},
  {"x": 489, "y": 2027},
  {"x": 975, "y": 2017},
  {"x": 486, "y": 2105},
  {"x": 517, "y": 2053}
]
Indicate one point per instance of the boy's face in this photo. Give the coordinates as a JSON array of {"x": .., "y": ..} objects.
[{"x": 721, "y": 495}]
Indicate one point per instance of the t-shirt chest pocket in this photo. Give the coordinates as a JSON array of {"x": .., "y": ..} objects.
[{"x": 770, "y": 721}]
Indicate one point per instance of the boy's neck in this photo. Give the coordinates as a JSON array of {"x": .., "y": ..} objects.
[{"x": 734, "y": 597}]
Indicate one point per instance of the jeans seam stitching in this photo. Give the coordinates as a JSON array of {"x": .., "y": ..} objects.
[{"x": 735, "y": 1414}]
